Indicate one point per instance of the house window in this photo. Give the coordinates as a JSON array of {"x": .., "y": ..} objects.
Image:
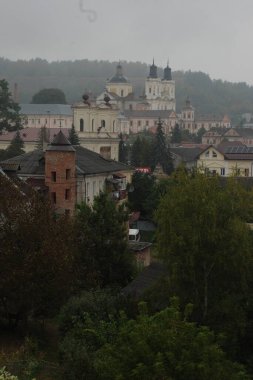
[
  {"x": 67, "y": 194},
  {"x": 122, "y": 93},
  {"x": 207, "y": 154},
  {"x": 53, "y": 176},
  {"x": 131, "y": 123},
  {"x": 246, "y": 172},
  {"x": 139, "y": 123},
  {"x": 81, "y": 125},
  {"x": 214, "y": 154},
  {"x": 92, "y": 125},
  {"x": 222, "y": 171},
  {"x": 147, "y": 123},
  {"x": 53, "y": 197},
  {"x": 68, "y": 171},
  {"x": 94, "y": 188}
]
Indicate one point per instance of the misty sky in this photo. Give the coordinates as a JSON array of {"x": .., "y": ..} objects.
[{"x": 214, "y": 36}]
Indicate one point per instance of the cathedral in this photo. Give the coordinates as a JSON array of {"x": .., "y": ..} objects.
[{"x": 159, "y": 93}]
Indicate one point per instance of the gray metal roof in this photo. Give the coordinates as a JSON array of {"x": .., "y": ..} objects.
[
  {"x": 87, "y": 162},
  {"x": 187, "y": 154},
  {"x": 46, "y": 109}
]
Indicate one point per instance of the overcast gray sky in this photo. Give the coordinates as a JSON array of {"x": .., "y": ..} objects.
[{"x": 214, "y": 36}]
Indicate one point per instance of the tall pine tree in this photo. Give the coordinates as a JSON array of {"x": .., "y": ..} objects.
[
  {"x": 44, "y": 137},
  {"x": 161, "y": 150},
  {"x": 16, "y": 146},
  {"x": 73, "y": 136},
  {"x": 10, "y": 119}
]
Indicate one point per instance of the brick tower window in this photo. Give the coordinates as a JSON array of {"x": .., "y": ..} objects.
[
  {"x": 53, "y": 176},
  {"x": 68, "y": 171},
  {"x": 67, "y": 194}
]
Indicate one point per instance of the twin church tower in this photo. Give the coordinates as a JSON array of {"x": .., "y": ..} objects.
[{"x": 159, "y": 93}]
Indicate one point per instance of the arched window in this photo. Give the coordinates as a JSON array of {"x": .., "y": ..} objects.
[
  {"x": 113, "y": 126},
  {"x": 92, "y": 125},
  {"x": 81, "y": 125},
  {"x": 103, "y": 123},
  {"x": 122, "y": 93},
  {"x": 130, "y": 106}
]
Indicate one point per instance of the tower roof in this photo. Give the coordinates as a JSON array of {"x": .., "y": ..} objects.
[
  {"x": 153, "y": 70},
  {"x": 119, "y": 77},
  {"x": 61, "y": 143},
  {"x": 167, "y": 73}
]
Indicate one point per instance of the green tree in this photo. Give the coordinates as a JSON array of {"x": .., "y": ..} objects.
[
  {"x": 16, "y": 147},
  {"x": 143, "y": 197},
  {"x": 49, "y": 96},
  {"x": 102, "y": 243},
  {"x": 164, "y": 346},
  {"x": 73, "y": 136},
  {"x": 161, "y": 150},
  {"x": 203, "y": 237},
  {"x": 123, "y": 150},
  {"x": 136, "y": 152},
  {"x": 43, "y": 137},
  {"x": 10, "y": 120},
  {"x": 35, "y": 259},
  {"x": 176, "y": 137}
]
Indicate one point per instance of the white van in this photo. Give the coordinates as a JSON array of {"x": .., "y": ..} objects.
[{"x": 134, "y": 234}]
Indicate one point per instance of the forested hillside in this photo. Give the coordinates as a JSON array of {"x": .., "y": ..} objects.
[{"x": 76, "y": 77}]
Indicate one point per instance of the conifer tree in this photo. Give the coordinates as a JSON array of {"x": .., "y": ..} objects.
[
  {"x": 10, "y": 119},
  {"x": 136, "y": 152},
  {"x": 176, "y": 137},
  {"x": 16, "y": 146},
  {"x": 44, "y": 137},
  {"x": 73, "y": 136},
  {"x": 161, "y": 150}
]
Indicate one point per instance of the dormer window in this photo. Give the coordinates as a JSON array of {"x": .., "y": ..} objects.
[
  {"x": 207, "y": 154},
  {"x": 214, "y": 154}
]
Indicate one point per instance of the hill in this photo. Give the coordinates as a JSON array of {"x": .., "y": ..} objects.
[{"x": 76, "y": 77}]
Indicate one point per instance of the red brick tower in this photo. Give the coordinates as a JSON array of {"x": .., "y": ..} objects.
[{"x": 60, "y": 174}]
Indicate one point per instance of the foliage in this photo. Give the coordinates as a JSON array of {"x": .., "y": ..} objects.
[
  {"x": 25, "y": 361},
  {"x": 35, "y": 260},
  {"x": 100, "y": 304},
  {"x": 142, "y": 197},
  {"x": 102, "y": 243},
  {"x": 73, "y": 136},
  {"x": 15, "y": 148},
  {"x": 4, "y": 375},
  {"x": 44, "y": 137},
  {"x": 49, "y": 96},
  {"x": 161, "y": 150},
  {"x": 123, "y": 150},
  {"x": 203, "y": 237},
  {"x": 164, "y": 346},
  {"x": 10, "y": 119},
  {"x": 176, "y": 136}
]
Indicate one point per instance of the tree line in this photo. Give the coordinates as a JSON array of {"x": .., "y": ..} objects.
[
  {"x": 195, "y": 322},
  {"x": 208, "y": 96}
]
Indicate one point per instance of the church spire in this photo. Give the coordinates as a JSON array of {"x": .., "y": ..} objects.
[
  {"x": 167, "y": 72},
  {"x": 153, "y": 70}
]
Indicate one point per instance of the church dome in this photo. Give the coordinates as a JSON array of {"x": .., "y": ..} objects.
[{"x": 119, "y": 77}]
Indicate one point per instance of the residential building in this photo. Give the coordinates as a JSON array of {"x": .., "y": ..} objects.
[
  {"x": 231, "y": 160},
  {"x": 70, "y": 175},
  {"x": 243, "y": 135}
]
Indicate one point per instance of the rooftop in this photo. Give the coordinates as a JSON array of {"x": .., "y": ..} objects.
[{"x": 46, "y": 109}]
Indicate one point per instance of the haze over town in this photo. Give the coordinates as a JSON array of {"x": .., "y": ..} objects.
[{"x": 197, "y": 35}]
